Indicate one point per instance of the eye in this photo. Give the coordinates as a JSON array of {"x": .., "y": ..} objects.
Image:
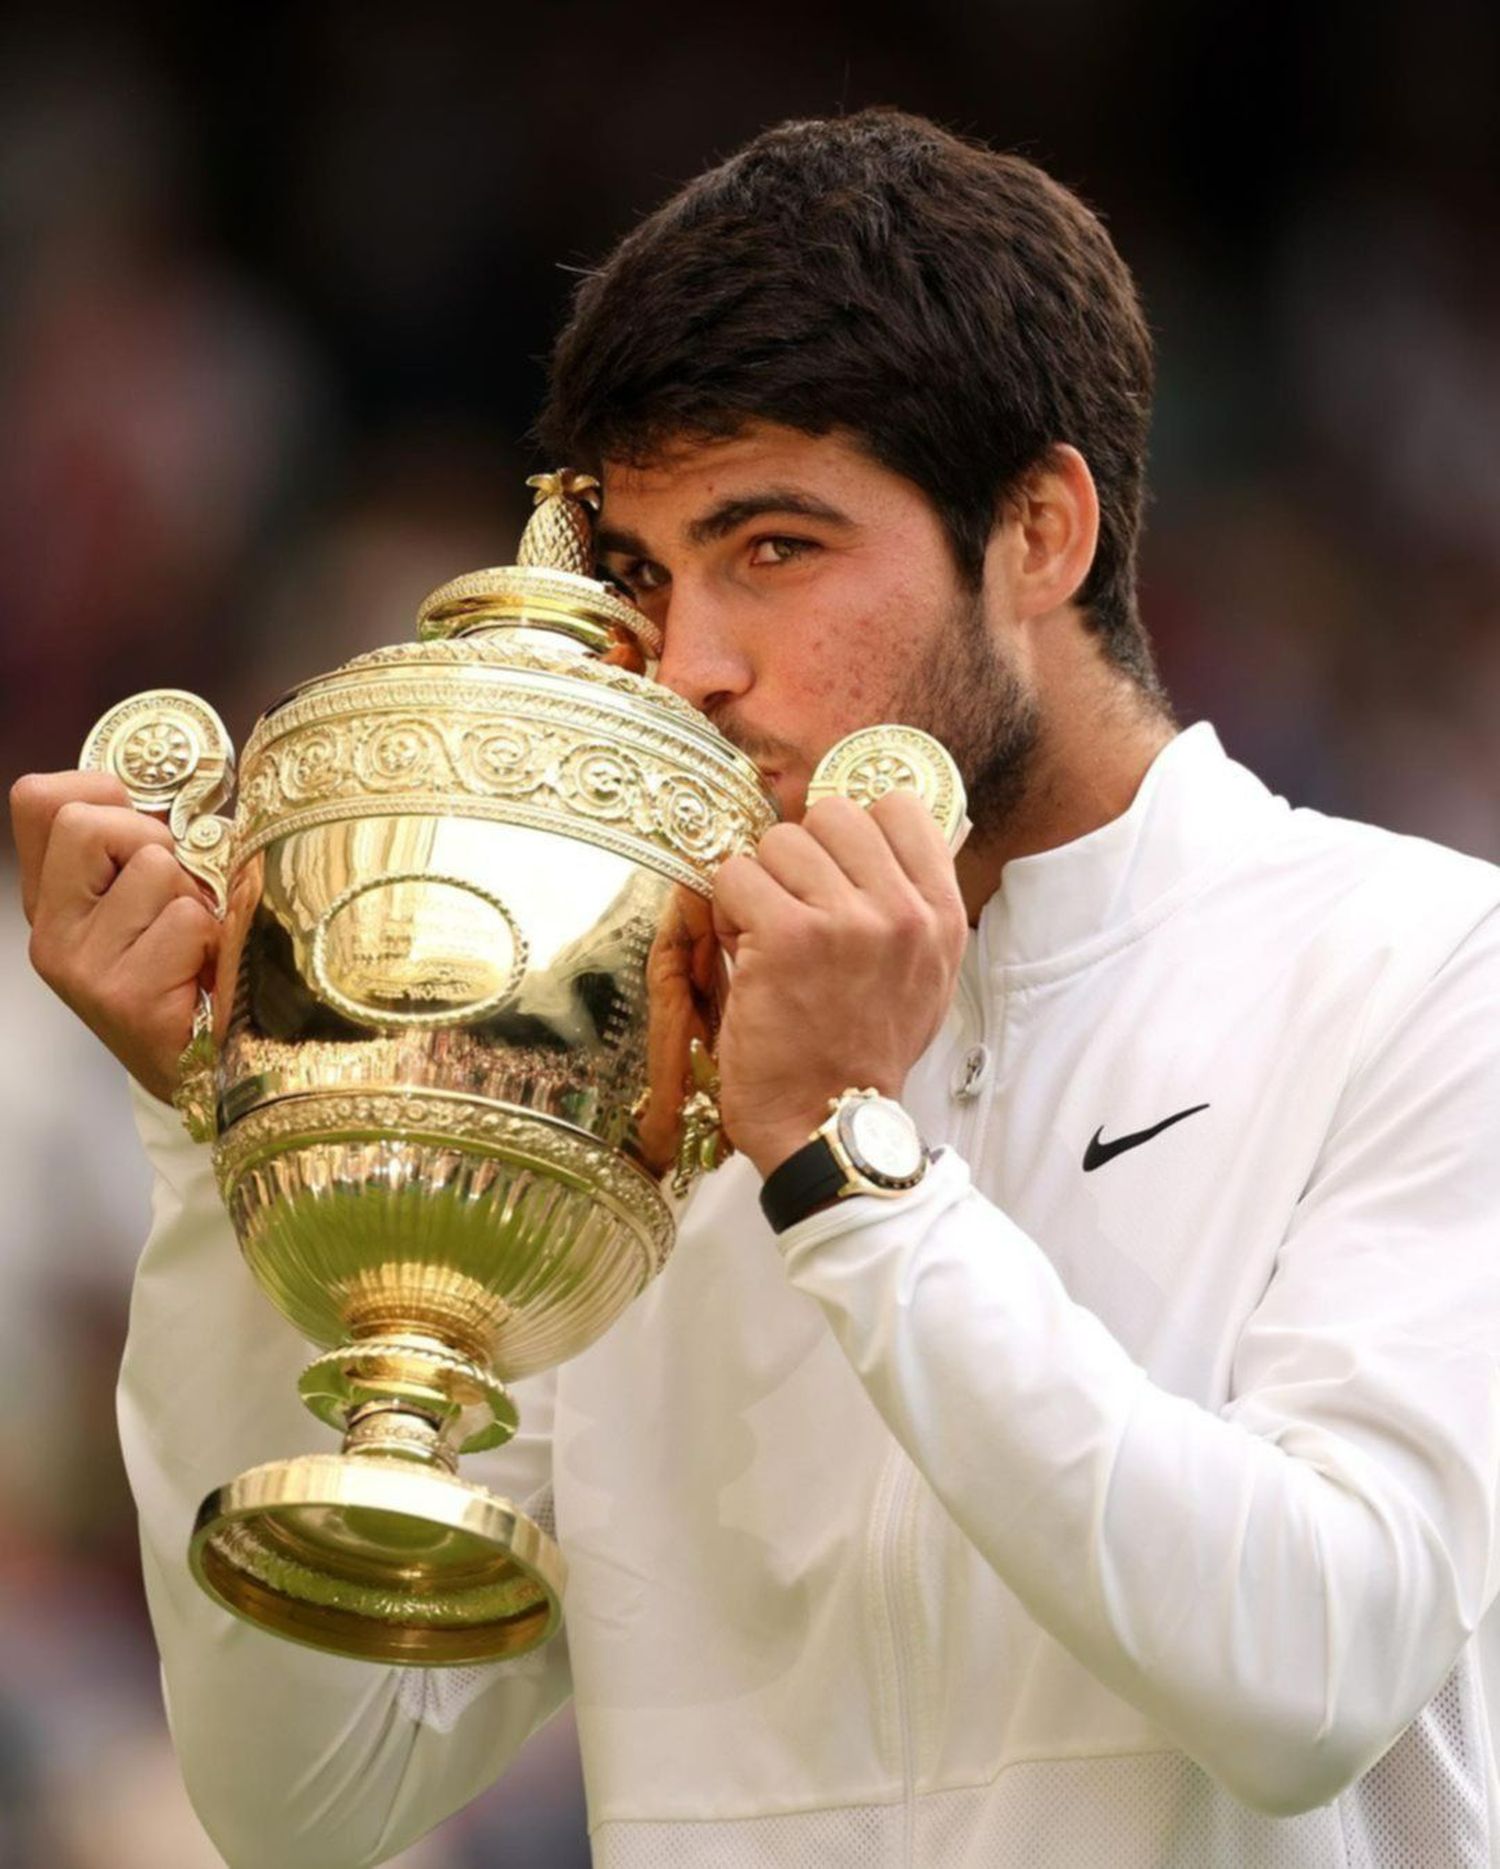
[
  {"x": 641, "y": 576},
  {"x": 777, "y": 550}
]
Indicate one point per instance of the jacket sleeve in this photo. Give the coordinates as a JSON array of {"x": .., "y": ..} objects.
[
  {"x": 293, "y": 1759},
  {"x": 1283, "y": 1584}
]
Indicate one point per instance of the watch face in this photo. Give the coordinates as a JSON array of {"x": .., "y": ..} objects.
[{"x": 882, "y": 1140}]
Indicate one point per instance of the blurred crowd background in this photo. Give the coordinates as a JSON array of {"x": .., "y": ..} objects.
[{"x": 275, "y": 291}]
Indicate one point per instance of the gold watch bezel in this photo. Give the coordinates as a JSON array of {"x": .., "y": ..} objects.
[{"x": 861, "y": 1177}]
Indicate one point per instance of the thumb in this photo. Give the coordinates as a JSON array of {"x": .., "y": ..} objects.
[{"x": 726, "y": 933}]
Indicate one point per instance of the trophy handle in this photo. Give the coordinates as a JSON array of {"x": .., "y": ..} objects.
[
  {"x": 703, "y": 1144},
  {"x": 862, "y": 767},
  {"x": 174, "y": 756},
  {"x": 175, "y": 759}
]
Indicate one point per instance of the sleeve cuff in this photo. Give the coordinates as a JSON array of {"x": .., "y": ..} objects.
[
  {"x": 171, "y": 1151},
  {"x": 946, "y": 1181}
]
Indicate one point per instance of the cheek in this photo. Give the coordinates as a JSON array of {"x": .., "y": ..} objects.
[
  {"x": 858, "y": 688},
  {"x": 844, "y": 661}
]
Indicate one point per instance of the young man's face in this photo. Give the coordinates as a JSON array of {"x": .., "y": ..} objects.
[{"x": 804, "y": 591}]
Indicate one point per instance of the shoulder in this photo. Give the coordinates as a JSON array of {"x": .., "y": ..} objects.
[
  {"x": 1384, "y": 914},
  {"x": 1394, "y": 886},
  {"x": 1283, "y": 875}
]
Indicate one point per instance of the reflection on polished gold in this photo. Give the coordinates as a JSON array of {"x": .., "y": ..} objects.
[
  {"x": 461, "y": 1030},
  {"x": 372, "y": 1555},
  {"x": 413, "y": 948}
]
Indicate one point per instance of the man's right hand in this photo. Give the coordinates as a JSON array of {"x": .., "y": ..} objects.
[{"x": 119, "y": 930}]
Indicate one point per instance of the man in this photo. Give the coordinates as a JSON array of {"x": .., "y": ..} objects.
[{"x": 1123, "y": 1492}]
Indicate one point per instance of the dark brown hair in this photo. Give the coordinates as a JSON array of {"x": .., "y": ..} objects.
[{"x": 954, "y": 309}]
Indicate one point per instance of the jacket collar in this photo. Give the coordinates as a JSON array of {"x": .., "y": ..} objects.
[{"x": 1194, "y": 809}]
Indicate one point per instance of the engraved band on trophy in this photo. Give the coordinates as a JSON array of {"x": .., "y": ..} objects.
[{"x": 460, "y": 1033}]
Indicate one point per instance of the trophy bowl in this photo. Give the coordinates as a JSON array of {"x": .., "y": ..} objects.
[{"x": 460, "y": 1034}]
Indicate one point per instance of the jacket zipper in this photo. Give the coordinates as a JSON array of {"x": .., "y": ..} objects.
[
  {"x": 900, "y": 1611},
  {"x": 897, "y": 1531}
]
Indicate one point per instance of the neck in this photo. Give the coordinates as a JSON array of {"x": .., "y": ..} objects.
[{"x": 1091, "y": 755}]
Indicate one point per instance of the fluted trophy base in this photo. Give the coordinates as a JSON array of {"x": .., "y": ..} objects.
[{"x": 374, "y": 1556}]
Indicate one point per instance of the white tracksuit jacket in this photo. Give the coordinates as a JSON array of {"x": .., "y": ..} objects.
[{"x": 1064, "y": 1513}]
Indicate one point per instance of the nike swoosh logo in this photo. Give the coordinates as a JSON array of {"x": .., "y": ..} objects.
[{"x": 1098, "y": 1153}]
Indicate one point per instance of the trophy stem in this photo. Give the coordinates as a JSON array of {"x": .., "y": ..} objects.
[
  {"x": 409, "y": 1394},
  {"x": 387, "y": 1428}
]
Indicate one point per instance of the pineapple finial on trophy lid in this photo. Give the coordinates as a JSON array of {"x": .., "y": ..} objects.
[
  {"x": 551, "y": 592},
  {"x": 560, "y": 533}
]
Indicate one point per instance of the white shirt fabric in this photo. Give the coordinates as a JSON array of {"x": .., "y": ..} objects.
[{"x": 1141, "y": 1517}]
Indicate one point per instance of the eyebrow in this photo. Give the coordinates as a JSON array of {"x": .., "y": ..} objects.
[
  {"x": 610, "y": 542},
  {"x": 721, "y": 520}
]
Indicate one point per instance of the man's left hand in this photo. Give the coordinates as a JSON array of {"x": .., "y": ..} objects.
[{"x": 846, "y": 932}]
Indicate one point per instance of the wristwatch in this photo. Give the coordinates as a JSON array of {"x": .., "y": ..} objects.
[{"x": 868, "y": 1145}]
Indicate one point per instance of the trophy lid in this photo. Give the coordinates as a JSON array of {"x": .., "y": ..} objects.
[{"x": 551, "y": 587}]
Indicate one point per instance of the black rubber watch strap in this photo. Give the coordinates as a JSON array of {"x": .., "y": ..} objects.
[{"x": 803, "y": 1183}]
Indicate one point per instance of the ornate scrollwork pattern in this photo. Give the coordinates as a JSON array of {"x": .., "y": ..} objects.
[
  {"x": 504, "y": 758},
  {"x": 684, "y": 811},
  {"x": 600, "y": 781},
  {"x": 510, "y": 747},
  {"x": 311, "y": 769},
  {"x": 398, "y": 755}
]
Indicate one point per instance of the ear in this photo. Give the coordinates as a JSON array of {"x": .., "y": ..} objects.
[{"x": 1054, "y": 523}]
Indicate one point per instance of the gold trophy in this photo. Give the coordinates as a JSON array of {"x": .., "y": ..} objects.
[{"x": 460, "y": 1035}]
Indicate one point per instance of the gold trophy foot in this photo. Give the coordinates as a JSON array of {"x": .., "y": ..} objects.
[{"x": 380, "y": 1559}]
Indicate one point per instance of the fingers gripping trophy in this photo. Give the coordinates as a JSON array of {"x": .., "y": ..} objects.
[{"x": 457, "y": 1056}]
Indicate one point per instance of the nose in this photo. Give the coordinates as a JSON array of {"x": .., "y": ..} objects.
[{"x": 702, "y": 658}]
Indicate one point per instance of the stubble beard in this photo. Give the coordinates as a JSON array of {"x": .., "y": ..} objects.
[{"x": 969, "y": 697}]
